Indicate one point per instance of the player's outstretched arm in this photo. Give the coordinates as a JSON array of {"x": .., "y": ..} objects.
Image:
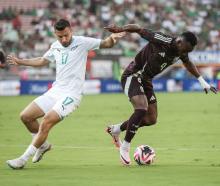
[
  {"x": 110, "y": 41},
  {"x": 193, "y": 70},
  {"x": 34, "y": 62},
  {"x": 126, "y": 28},
  {"x": 144, "y": 33}
]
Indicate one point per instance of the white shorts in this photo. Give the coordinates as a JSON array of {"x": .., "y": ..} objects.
[{"x": 62, "y": 103}]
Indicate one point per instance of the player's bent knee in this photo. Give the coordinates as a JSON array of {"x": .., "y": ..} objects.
[
  {"x": 25, "y": 118},
  {"x": 142, "y": 112},
  {"x": 147, "y": 121},
  {"x": 153, "y": 121}
]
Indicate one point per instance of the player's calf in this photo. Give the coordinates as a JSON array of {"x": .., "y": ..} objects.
[{"x": 148, "y": 121}]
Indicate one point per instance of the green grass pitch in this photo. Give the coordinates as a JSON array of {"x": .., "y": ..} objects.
[{"x": 186, "y": 140}]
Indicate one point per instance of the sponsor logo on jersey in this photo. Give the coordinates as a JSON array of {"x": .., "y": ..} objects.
[
  {"x": 74, "y": 47},
  {"x": 57, "y": 49}
]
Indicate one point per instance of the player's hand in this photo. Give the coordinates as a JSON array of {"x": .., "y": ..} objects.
[
  {"x": 114, "y": 29},
  {"x": 12, "y": 60},
  {"x": 127, "y": 28},
  {"x": 206, "y": 87},
  {"x": 116, "y": 36},
  {"x": 213, "y": 89}
]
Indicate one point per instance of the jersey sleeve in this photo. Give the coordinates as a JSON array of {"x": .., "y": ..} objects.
[
  {"x": 91, "y": 43},
  {"x": 49, "y": 55},
  {"x": 184, "y": 58},
  {"x": 156, "y": 37}
]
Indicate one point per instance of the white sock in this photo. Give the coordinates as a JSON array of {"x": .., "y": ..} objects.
[
  {"x": 125, "y": 145},
  {"x": 33, "y": 135},
  {"x": 44, "y": 144},
  {"x": 116, "y": 128},
  {"x": 30, "y": 151}
]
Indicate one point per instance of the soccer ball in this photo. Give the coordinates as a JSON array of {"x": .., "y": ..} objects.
[{"x": 144, "y": 155}]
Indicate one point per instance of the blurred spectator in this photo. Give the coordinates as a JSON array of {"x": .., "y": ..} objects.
[
  {"x": 16, "y": 22},
  {"x": 28, "y": 30},
  {"x": 90, "y": 16}
]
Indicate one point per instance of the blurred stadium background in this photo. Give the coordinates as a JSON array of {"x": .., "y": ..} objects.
[
  {"x": 186, "y": 138},
  {"x": 26, "y": 29}
]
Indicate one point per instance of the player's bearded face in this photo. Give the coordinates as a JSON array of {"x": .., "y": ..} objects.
[{"x": 64, "y": 36}]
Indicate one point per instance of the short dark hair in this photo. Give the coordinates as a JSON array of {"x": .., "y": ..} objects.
[
  {"x": 61, "y": 24},
  {"x": 190, "y": 37}
]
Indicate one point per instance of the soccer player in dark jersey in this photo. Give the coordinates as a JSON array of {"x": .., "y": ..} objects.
[{"x": 160, "y": 52}]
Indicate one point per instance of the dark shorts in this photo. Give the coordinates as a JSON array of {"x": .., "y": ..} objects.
[{"x": 133, "y": 85}]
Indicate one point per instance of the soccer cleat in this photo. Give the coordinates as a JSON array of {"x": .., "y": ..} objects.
[
  {"x": 16, "y": 163},
  {"x": 40, "y": 152},
  {"x": 124, "y": 156},
  {"x": 115, "y": 136}
]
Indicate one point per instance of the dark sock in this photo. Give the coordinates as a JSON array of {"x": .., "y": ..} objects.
[
  {"x": 123, "y": 126},
  {"x": 133, "y": 124}
]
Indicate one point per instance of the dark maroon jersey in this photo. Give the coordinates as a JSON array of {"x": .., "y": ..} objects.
[{"x": 156, "y": 56}]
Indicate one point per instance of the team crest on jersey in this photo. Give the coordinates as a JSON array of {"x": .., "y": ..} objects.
[{"x": 162, "y": 54}]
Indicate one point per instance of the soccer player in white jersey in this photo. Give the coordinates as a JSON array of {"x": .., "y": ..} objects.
[{"x": 69, "y": 53}]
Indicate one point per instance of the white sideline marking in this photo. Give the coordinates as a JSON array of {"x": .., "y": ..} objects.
[{"x": 110, "y": 148}]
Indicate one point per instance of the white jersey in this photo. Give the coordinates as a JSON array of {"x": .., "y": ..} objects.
[{"x": 71, "y": 63}]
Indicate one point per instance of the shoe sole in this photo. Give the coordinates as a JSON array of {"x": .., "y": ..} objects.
[
  {"x": 124, "y": 162},
  {"x": 41, "y": 156},
  {"x": 15, "y": 168},
  {"x": 114, "y": 140}
]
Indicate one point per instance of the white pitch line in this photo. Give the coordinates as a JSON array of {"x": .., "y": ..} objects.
[{"x": 110, "y": 148}]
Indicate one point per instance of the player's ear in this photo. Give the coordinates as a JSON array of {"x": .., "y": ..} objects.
[
  {"x": 179, "y": 41},
  {"x": 71, "y": 31}
]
